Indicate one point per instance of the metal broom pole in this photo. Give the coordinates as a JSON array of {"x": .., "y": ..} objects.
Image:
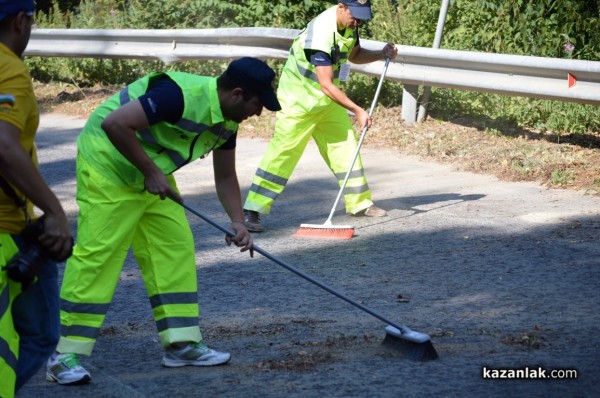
[
  {"x": 360, "y": 141},
  {"x": 327, "y": 229},
  {"x": 415, "y": 345}
]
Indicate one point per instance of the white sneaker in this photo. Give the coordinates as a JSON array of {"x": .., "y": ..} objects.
[
  {"x": 194, "y": 354},
  {"x": 65, "y": 369}
]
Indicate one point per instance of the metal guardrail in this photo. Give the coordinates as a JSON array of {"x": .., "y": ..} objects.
[
  {"x": 538, "y": 77},
  {"x": 165, "y": 45}
]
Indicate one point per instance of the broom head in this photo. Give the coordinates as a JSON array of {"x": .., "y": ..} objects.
[
  {"x": 412, "y": 345},
  {"x": 325, "y": 231}
]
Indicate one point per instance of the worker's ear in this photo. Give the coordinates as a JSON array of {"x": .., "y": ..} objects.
[
  {"x": 237, "y": 95},
  {"x": 22, "y": 22}
]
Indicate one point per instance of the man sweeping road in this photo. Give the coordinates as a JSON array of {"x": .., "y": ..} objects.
[
  {"x": 127, "y": 154},
  {"x": 314, "y": 106}
]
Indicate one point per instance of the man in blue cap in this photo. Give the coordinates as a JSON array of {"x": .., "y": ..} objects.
[
  {"x": 127, "y": 153},
  {"x": 29, "y": 320},
  {"x": 314, "y": 106},
  {"x": 359, "y": 9}
]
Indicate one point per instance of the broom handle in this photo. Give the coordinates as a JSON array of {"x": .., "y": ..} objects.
[
  {"x": 362, "y": 138},
  {"x": 289, "y": 267}
]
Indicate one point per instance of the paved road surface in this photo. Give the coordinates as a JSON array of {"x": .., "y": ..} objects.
[{"x": 501, "y": 275}]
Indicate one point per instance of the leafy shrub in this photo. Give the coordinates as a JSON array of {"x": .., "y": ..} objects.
[{"x": 547, "y": 28}]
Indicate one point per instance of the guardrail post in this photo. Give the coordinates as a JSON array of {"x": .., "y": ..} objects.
[
  {"x": 410, "y": 94},
  {"x": 439, "y": 31}
]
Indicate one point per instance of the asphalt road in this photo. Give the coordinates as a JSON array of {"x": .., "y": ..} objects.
[{"x": 502, "y": 276}]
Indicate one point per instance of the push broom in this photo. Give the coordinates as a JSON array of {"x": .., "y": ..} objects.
[
  {"x": 328, "y": 230},
  {"x": 413, "y": 345}
]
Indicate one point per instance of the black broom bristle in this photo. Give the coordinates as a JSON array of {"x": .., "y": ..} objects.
[{"x": 415, "y": 351}]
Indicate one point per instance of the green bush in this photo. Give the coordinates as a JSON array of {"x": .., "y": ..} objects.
[{"x": 547, "y": 28}]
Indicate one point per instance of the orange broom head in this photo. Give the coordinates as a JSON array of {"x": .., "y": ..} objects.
[{"x": 326, "y": 231}]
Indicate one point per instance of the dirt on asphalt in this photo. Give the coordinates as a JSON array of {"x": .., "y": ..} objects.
[{"x": 501, "y": 275}]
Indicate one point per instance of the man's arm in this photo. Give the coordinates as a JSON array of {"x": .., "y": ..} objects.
[
  {"x": 18, "y": 169},
  {"x": 360, "y": 55},
  {"x": 325, "y": 76},
  {"x": 120, "y": 127},
  {"x": 228, "y": 191}
]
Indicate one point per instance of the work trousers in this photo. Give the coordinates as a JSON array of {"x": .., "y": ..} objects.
[
  {"x": 112, "y": 219},
  {"x": 332, "y": 131},
  {"x": 29, "y": 321}
]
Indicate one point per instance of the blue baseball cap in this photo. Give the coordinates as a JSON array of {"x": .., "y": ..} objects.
[
  {"x": 360, "y": 9},
  {"x": 11, "y": 7},
  {"x": 257, "y": 77}
]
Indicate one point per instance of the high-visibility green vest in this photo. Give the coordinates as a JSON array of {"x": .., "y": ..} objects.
[
  {"x": 201, "y": 128},
  {"x": 298, "y": 85}
]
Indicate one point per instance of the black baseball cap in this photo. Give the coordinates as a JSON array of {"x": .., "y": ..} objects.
[
  {"x": 360, "y": 9},
  {"x": 257, "y": 77},
  {"x": 12, "y": 7}
]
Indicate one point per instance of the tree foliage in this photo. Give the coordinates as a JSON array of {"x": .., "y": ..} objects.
[{"x": 546, "y": 28}]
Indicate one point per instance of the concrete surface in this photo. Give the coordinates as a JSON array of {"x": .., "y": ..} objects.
[{"x": 500, "y": 275}]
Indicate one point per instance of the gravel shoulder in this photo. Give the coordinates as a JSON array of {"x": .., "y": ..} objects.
[{"x": 500, "y": 274}]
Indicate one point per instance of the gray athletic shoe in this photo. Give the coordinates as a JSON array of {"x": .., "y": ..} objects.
[
  {"x": 194, "y": 354},
  {"x": 372, "y": 211},
  {"x": 252, "y": 219},
  {"x": 66, "y": 370}
]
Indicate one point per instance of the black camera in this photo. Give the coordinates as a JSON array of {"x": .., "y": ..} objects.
[{"x": 26, "y": 264}]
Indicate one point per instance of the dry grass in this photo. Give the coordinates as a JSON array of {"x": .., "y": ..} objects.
[
  {"x": 69, "y": 99},
  {"x": 505, "y": 151}
]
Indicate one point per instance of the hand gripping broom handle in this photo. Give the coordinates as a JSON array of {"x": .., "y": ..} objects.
[
  {"x": 362, "y": 138},
  {"x": 403, "y": 329}
]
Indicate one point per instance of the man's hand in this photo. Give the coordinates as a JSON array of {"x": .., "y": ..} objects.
[
  {"x": 389, "y": 51},
  {"x": 242, "y": 237},
  {"x": 157, "y": 184},
  {"x": 363, "y": 119},
  {"x": 56, "y": 238}
]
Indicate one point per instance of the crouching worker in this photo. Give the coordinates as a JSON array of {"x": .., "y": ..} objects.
[{"x": 127, "y": 152}]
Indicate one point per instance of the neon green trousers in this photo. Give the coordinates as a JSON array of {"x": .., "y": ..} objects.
[
  {"x": 112, "y": 219},
  {"x": 332, "y": 131},
  {"x": 9, "y": 338}
]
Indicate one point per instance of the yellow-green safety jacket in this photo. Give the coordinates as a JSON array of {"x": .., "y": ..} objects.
[
  {"x": 201, "y": 129},
  {"x": 9, "y": 338},
  {"x": 298, "y": 85}
]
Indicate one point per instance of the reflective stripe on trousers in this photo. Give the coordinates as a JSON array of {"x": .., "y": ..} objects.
[
  {"x": 9, "y": 338},
  {"x": 333, "y": 133},
  {"x": 111, "y": 219}
]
